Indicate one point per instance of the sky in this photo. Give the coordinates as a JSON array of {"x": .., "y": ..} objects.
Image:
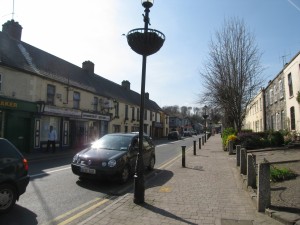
[{"x": 78, "y": 30}]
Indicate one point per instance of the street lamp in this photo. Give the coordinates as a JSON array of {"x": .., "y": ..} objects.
[{"x": 145, "y": 42}]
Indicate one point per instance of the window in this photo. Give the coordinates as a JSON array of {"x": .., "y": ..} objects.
[
  {"x": 292, "y": 111},
  {"x": 117, "y": 110},
  {"x": 126, "y": 112},
  {"x": 151, "y": 116},
  {"x": 133, "y": 113},
  {"x": 290, "y": 83},
  {"x": 280, "y": 84},
  {"x": 0, "y": 82},
  {"x": 145, "y": 114},
  {"x": 76, "y": 100},
  {"x": 282, "y": 116},
  {"x": 271, "y": 96},
  {"x": 95, "y": 104},
  {"x": 267, "y": 98},
  {"x": 50, "y": 94}
]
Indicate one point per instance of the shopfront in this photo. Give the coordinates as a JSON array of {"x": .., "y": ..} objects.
[
  {"x": 74, "y": 128},
  {"x": 17, "y": 121}
]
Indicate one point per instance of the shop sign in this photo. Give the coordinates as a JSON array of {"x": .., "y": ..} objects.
[
  {"x": 62, "y": 111},
  {"x": 8, "y": 104},
  {"x": 95, "y": 116}
]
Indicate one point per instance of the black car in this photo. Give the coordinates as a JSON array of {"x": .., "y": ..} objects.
[
  {"x": 113, "y": 156},
  {"x": 174, "y": 135},
  {"x": 14, "y": 176}
]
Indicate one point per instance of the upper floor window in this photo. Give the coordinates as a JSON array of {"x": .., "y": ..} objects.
[
  {"x": 50, "y": 94},
  {"x": 267, "y": 98},
  {"x": 290, "y": 83},
  {"x": 126, "y": 112},
  {"x": 133, "y": 113},
  {"x": 151, "y": 116},
  {"x": 271, "y": 96},
  {"x": 117, "y": 109},
  {"x": 95, "y": 104},
  {"x": 280, "y": 84},
  {"x": 145, "y": 114},
  {"x": 76, "y": 100}
]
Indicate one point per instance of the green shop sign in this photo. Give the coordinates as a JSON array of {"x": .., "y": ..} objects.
[{"x": 7, "y": 103}]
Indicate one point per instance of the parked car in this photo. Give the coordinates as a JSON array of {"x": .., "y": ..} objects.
[
  {"x": 113, "y": 156},
  {"x": 174, "y": 135},
  {"x": 187, "y": 134},
  {"x": 14, "y": 176}
]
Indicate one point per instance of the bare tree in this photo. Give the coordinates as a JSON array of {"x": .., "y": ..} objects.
[{"x": 231, "y": 75}]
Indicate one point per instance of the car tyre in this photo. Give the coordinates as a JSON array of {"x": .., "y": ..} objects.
[
  {"x": 8, "y": 197},
  {"x": 124, "y": 175},
  {"x": 151, "y": 163}
]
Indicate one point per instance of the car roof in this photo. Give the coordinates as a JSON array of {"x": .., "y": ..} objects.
[{"x": 131, "y": 134}]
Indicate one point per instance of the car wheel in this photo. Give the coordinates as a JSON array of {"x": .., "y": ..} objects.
[
  {"x": 8, "y": 196},
  {"x": 124, "y": 175},
  {"x": 151, "y": 163}
]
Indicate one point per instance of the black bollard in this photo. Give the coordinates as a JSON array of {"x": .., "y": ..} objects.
[
  {"x": 183, "y": 156},
  {"x": 194, "y": 147},
  {"x": 199, "y": 143}
]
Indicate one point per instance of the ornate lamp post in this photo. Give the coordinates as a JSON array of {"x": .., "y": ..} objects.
[{"x": 145, "y": 42}]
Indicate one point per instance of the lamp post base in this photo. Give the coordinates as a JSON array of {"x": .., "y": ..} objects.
[{"x": 139, "y": 190}]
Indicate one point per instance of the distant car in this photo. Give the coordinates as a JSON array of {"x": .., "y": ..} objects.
[
  {"x": 113, "y": 156},
  {"x": 14, "y": 176},
  {"x": 187, "y": 134},
  {"x": 174, "y": 135}
]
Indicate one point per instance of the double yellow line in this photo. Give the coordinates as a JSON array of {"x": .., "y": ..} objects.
[{"x": 77, "y": 215}]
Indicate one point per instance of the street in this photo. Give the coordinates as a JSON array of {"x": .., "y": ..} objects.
[{"x": 55, "y": 194}]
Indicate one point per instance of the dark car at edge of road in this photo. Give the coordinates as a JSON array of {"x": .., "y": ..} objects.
[
  {"x": 174, "y": 135},
  {"x": 14, "y": 176},
  {"x": 113, "y": 156}
]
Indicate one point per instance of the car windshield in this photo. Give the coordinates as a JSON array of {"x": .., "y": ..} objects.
[{"x": 113, "y": 142}]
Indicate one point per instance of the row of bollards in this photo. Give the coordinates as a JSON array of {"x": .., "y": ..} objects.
[{"x": 203, "y": 140}]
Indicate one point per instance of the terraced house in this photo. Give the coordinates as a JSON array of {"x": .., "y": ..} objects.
[
  {"x": 281, "y": 110},
  {"x": 38, "y": 89}
]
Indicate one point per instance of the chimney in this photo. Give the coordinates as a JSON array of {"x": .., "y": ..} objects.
[
  {"x": 88, "y": 66},
  {"x": 126, "y": 84},
  {"x": 147, "y": 95},
  {"x": 13, "y": 29}
]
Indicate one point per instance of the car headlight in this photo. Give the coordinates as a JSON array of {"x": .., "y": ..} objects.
[
  {"x": 112, "y": 163},
  {"x": 75, "y": 158}
]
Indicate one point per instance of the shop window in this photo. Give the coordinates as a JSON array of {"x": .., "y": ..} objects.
[
  {"x": 50, "y": 94},
  {"x": 76, "y": 100},
  {"x": 293, "y": 124},
  {"x": 290, "y": 83}
]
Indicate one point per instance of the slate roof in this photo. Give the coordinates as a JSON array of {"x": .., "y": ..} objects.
[{"x": 22, "y": 56}]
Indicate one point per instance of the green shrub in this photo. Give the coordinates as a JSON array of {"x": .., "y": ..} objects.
[
  {"x": 227, "y": 132},
  {"x": 276, "y": 139},
  {"x": 281, "y": 174}
]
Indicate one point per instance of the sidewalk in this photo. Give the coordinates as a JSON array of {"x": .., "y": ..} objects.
[{"x": 207, "y": 191}]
